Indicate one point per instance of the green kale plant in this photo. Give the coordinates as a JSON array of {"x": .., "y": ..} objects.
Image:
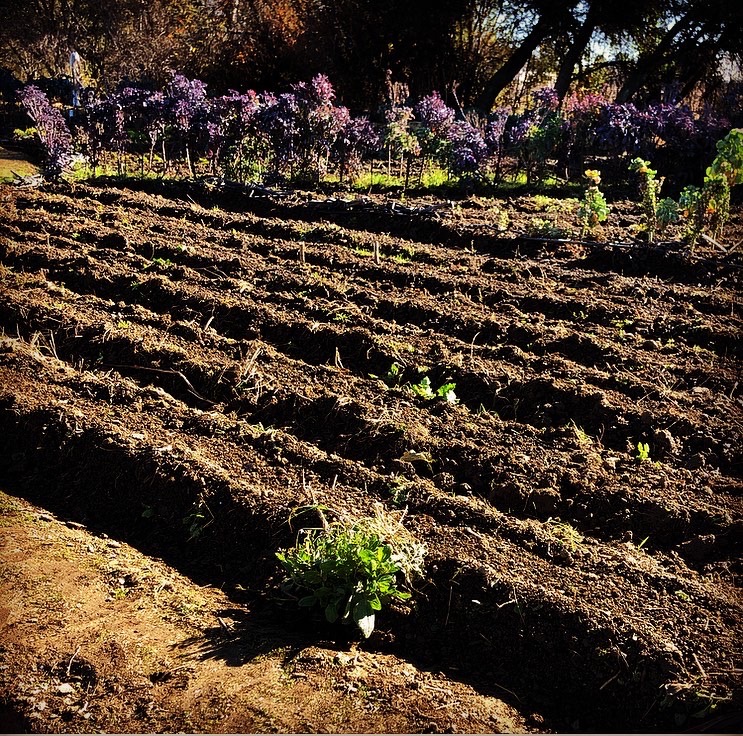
[
  {"x": 649, "y": 188},
  {"x": 351, "y": 569},
  {"x": 708, "y": 207},
  {"x": 593, "y": 209}
]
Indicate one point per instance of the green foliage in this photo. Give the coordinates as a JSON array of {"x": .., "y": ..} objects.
[
  {"x": 565, "y": 534},
  {"x": 160, "y": 264},
  {"x": 666, "y": 213},
  {"x": 593, "y": 209},
  {"x": 196, "y": 521},
  {"x": 544, "y": 228},
  {"x": 424, "y": 389},
  {"x": 650, "y": 188},
  {"x": 25, "y": 134},
  {"x": 503, "y": 220},
  {"x": 708, "y": 207},
  {"x": 643, "y": 451},
  {"x": 729, "y": 160},
  {"x": 399, "y": 489},
  {"x": 352, "y": 569},
  {"x": 394, "y": 375},
  {"x": 553, "y": 205},
  {"x": 539, "y": 145}
]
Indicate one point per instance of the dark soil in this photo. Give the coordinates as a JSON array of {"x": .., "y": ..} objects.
[{"x": 172, "y": 376}]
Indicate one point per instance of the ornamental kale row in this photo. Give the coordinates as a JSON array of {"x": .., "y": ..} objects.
[{"x": 301, "y": 134}]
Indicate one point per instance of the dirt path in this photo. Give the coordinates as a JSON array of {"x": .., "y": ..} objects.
[
  {"x": 98, "y": 637},
  {"x": 174, "y": 377}
]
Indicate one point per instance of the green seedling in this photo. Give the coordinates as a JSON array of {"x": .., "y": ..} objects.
[
  {"x": 197, "y": 520},
  {"x": 160, "y": 264},
  {"x": 580, "y": 434},
  {"x": 565, "y": 534},
  {"x": 352, "y": 568},
  {"x": 545, "y": 228},
  {"x": 413, "y": 456},
  {"x": 425, "y": 391},
  {"x": 620, "y": 324},
  {"x": 399, "y": 487},
  {"x": 393, "y": 377},
  {"x": 643, "y": 451},
  {"x": 593, "y": 209}
]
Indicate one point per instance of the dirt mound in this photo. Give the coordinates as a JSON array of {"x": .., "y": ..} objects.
[{"x": 184, "y": 379}]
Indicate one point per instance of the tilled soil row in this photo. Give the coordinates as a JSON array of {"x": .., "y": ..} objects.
[
  {"x": 159, "y": 350},
  {"x": 375, "y": 426},
  {"x": 473, "y": 223},
  {"x": 297, "y": 312}
]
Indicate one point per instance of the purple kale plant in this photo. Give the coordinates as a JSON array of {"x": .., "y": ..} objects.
[
  {"x": 54, "y": 135},
  {"x": 99, "y": 127},
  {"x": 232, "y": 139},
  {"x": 187, "y": 106},
  {"x": 495, "y": 138},
  {"x": 279, "y": 127},
  {"x": 301, "y": 127},
  {"x": 467, "y": 148},
  {"x": 155, "y": 124},
  {"x": 358, "y": 139},
  {"x": 435, "y": 119}
]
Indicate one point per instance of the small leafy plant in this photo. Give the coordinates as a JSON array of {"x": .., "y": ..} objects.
[
  {"x": 659, "y": 214},
  {"x": 564, "y": 534},
  {"x": 708, "y": 207},
  {"x": 667, "y": 213},
  {"x": 424, "y": 389},
  {"x": 643, "y": 451},
  {"x": 352, "y": 568},
  {"x": 541, "y": 227},
  {"x": 593, "y": 209},
  {"x": 394, "y": 375}
]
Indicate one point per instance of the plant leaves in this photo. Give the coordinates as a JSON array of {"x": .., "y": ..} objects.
[{"x": 363, "y": 615}]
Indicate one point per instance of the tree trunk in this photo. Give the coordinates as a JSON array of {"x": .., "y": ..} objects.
[
  {"x": 649, "y": 62},
  {"x": 513, "y": 65},
  {"x": 575, "y": 52}
]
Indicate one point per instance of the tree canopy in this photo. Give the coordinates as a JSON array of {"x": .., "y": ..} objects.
[{"x": 475, "y": 52}]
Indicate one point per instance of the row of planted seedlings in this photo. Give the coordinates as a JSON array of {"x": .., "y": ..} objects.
[{"x": 699, "y": 213}]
